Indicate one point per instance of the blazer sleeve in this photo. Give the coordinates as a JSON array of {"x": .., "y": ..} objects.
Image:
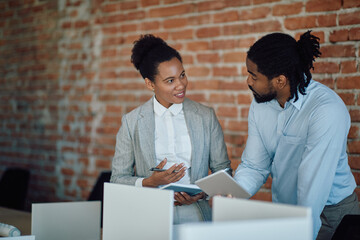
[
  {"x": 124, "y": 159},
  {"x": 218, "y": 153}
]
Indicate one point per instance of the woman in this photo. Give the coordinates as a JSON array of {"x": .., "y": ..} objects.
[{"x": 168, "y": 132}]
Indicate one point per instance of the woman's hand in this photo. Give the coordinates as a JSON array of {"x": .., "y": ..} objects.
[
  {"x": 173, "y": 174},
  {"x": 182, "y": 198}
]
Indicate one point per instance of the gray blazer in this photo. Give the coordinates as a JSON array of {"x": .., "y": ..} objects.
[{"x": 135, "y": 145}]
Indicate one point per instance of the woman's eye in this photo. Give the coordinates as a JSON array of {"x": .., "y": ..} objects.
[
  {"x": 170, "y": 80},
  {"x": 182, "y": 75}
]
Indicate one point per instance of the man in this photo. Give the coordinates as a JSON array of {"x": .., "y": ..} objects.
[{"x": 297, "y": 133}]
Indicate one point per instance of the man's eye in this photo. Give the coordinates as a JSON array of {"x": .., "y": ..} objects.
[{"x": 170, "y": 80}]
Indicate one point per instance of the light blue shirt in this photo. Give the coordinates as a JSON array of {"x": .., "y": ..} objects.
[{"x": 303, "y": 147}]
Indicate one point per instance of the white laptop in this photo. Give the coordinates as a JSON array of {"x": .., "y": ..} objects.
[
  {"x": 137, "y": 213},
  {"x": 250, "y": 219},
  {"x": 260, "y": 229},
  {"x": 66, "y": 220},
  {"x": 229, "y": 209}
]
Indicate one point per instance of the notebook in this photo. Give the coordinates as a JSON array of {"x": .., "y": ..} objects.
[
  {"x": 221, "y": 183},
  {"x": 137, "y": 213},
  {"x": 66, "y": 220}
]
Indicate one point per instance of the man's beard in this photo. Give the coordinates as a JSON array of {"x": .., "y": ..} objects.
[{"x": 263, "y": 98}]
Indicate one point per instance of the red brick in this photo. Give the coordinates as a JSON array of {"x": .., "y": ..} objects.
[
  {"x": 230, "y": 16},
  {"x": 353, "y": 132},
  {"x": 287, "y": 9},
  {"x": 227, "y": 112},
  {"x": 255, "y": 13},
  {"x": 354, "y": 147},
  {"x": 208, "y": 32},
  {"x": 208, "y": 58},
  {"x": 200, "y": 19},
  {"x": 223, "y": 44},
  {"x": 348, "y": 98},
  {"x": 354, "y": 34},
  {"x": 198, "y": 71},
  {"x": 326, "y": 67},
  {"x": 113, "y": 109},
  {"x": 328, "y": 20},
  {"x": 225, "y": 71},
  {"x": 355, "y": 115},
  {"x": 103, "y": 163},
  {"x": 244, "y": 98},
  {"x": 171, "y": 11},
  {"x": 175, "y": 23},
  {"x": 203, "y": 85},
  {"x": 322, "y": 5},
  {"x": 339, "y": 35},
  {"x": 235, "y": 57},
  {"x": 268, "y": 26},
  {"x": 349, "y": 18},
  {"x": 67, "y": 172},
  {"x": 197, "y": 45},
  {"x": 147, "y": 3},
  {"x": 351, "y": 3},
  {"x": 264, "y": 1},
  {"x": 357, "y": 177},
  {"x": 130, "y": 27},
  {"x": 233, "y": 85},
  {"x": 348, "y": 82},
  {"x": 221, "y": 98},
  {"x": 348, "y": 67},
  {"x": 354, "y": 162},
  {"x": 183, "y": 34},
  {"x": 300, "y": 22},
  {"x": 337, "y": 51},
  {"x": 241, "y": 126},
  {"x": 211, "y": 5}
]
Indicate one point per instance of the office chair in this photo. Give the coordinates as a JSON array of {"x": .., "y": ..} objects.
[
  {"x": 13, "y": 188},
  {"x": 349, "y": 228},
  {"x": 97, "y": 193}
]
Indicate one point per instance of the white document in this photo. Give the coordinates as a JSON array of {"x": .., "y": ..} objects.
[
  {"x": 137, "y": 213},
  {"x": 66, "y": 220},
  {"x": 221, "y": 183}
]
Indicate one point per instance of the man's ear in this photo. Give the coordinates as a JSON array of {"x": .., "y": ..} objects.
[
  {"x": 281, "y": 81},
  {"x": 149, "y": 84}
]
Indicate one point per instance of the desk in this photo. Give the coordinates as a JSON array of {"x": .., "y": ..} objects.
[{"x": 16, "y": 218}]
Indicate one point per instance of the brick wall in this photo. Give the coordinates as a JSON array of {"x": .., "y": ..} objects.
[{"x": 66, "y": 77}]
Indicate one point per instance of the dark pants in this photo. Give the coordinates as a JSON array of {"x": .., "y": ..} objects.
[{"x": 332, "y": 215}]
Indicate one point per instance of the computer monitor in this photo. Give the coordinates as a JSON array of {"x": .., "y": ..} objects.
[
  {"x": 66, "y": 220},
  {"x": 137, "y": 213}
]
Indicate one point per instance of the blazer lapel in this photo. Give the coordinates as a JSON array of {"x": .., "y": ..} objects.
[
  {"x": 146, "y": 128},
  {"x": 196, "y": 132}
]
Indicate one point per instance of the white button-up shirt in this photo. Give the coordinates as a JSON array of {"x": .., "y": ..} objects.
[{"x": 172, "y": 139}]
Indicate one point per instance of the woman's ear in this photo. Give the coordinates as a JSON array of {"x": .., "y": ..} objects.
[{"x": 149, "y": 84}]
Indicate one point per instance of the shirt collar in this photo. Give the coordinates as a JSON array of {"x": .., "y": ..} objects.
[
  {"x": 299, "y": 102},
  {"x": 160, "y": 109}
]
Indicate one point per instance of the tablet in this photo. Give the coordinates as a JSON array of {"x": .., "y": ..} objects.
[
  {"x": 190, "y": 189},
  {"x": 221, "y": 183}
]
